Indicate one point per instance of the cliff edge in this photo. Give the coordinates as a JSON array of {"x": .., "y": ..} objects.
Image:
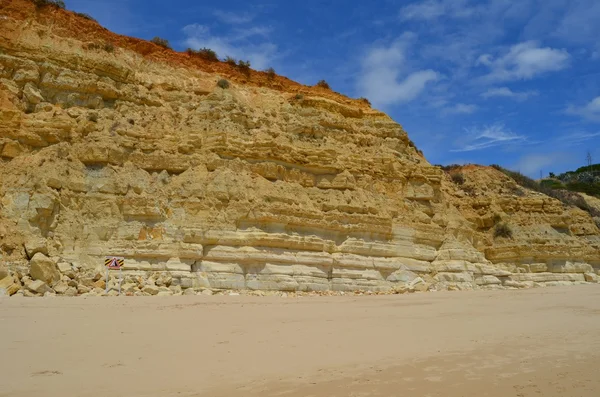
[{"x": 114, "y": 146}]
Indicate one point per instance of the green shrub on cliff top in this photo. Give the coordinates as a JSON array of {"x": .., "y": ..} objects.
[
  {"x": 44, "y": 3},
  {"x": 86, "y": 16},
  {"x": 161, "y": 42},
  {"x": 204, "y": 53},
  {"x": 244, "y": 66},
  {"x": 323, "y": 84},
  {"x": 270, "y": 73}
]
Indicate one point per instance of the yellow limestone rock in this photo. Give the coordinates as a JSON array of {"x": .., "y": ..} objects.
[
  {"x": 8, "y": 286},
  {"x": 38, "y": 286},
  {"x": 43, "y": 268},
  {"x": 138, "y": 153}
]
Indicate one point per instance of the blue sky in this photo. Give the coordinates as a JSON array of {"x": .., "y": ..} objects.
[{"x": 515, "y": 83}]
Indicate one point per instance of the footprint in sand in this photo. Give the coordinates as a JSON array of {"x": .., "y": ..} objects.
[{"x": 46, "y": 373}]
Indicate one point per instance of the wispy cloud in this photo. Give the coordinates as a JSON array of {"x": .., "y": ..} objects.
[
  {"x": 579, "y": 23},
  {"x": 426, "y": 10},
  {"x": 533, "y": 164},
  {"x": 386, "y": 78},
  {"x": 250, "y": 43},
  {"x": 460, "y": 108},
  {"x": 245, "y": 33},
  {"x": 590, "y": 111},
  {"x": 524, "y": 61},
  {"x": 577, "y": 138},
  {"x": 431, "y": 9},
  {"x": 505, "y": 92},
  {"x": 487, "y": 137},
  {"x": 233, "y": 18}
]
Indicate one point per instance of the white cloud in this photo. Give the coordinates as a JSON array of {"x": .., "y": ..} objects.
[
  {"x": 385, "y": 79},
  {"x": 590, "y": 111},
  {"x": 579, "y": 23},
  {"x": 426, "y": 10},
  {"x": 248, "y": 44},
  {"x": 233, "y": 18},
  {"x": 460, "y": 108},
  {"x": 240, "y": 34},
  {"x": 431, "y": 9},
  {"x": 577, "y": 138},
  {"x": 524, "y": 61},
  {"x": 508, "y": 93},
  {"x": 532, "y": 164},
  {"x": 485, "y": 59},
  {"x": 486, "y": 137}
]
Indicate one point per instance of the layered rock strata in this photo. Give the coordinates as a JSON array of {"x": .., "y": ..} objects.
[{"x": 265, "y": 185}]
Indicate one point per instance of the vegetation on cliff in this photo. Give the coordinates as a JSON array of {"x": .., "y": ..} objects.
[
  {"x": 43, "y": 3},
  {"x": 566, "y": 187},
  {"x": 583, "y": 179},
  {"x": 204, "y": 53},
  {"x": 567, "y": 194}
]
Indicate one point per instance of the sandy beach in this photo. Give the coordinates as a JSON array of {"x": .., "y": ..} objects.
[{"x": 539, "y": 342}]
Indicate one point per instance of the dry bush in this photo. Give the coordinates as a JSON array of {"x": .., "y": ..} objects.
[
  {"x": 108, "y": 47},
  {"x": 44, "y": 3},
  {"x": 270, "y": 73},
  {"x": 365, "y": 100},
  {"x": 204, "y": 53},
  {"x": 323, "y": 84},
  {"x": 161, "y": 42},
  {"x": 244, "y": 66},
  {"x": 458, "y": 178},
  {"x": 503, "y": 230},
  {"x": 224, "y": 84},
  {"x": 86, "y": 16}
]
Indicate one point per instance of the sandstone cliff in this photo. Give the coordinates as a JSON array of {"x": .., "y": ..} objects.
[{"x": 111, "y": 145}]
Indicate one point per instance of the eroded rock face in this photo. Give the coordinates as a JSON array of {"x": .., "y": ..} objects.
[
  {"x": 138, "y": 153},
  {"x": 547, "y": 236}
]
